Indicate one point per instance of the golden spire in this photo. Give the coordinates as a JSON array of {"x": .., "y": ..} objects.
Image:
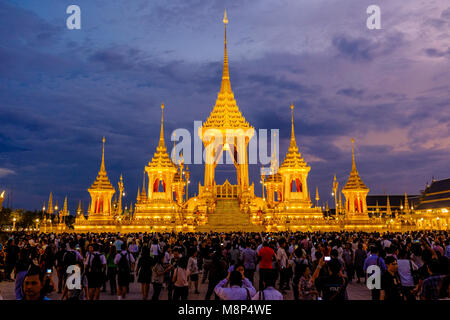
[
  {"x": 50, "y": 204},
  {"x": 138, "y": 198},
  {"x": 102, "y": 166},
  {"x": 161, "y": 159},
  {"x": 353, "y": 156},
  {"x": 406, "y": 203},
  {"x": 102, "y": 181},
  {"x": 340, "y": 203},
  {"x": 293, "y": 143},
  {"x": 317, "y": 196},
  {"x": 161, "y": 135},
  {"x": 354, "y": 181},
  {"x": 225, "y": 113},
  {"x": 79, "y": 207},
  {"x": 65, "y": 212},
  {"x": 388, "y": 207},
  {"x": 144, "y": 193},
  {"x": 226, "y": 85},
  {"x": 293, "y": 157}
]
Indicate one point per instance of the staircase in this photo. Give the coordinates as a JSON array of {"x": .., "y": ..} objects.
[{"x": 227, "y": 218}]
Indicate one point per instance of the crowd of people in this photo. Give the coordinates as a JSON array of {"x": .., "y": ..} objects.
[{"x": 233, "y": 266}]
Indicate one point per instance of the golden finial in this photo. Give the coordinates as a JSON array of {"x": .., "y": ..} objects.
[{"x": 225, "y": 19}]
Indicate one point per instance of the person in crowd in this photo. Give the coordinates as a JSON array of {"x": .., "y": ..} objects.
[
  {"x": 112, "y": 269},
  {"x": 193, "y": 270},
  {"x": 391, "y": 288},
  {"x": 266, "y": 256},
  {"x": 217, "y": 271},
  {"x": 125, "y": 264},
  {"x": 375, "y": 259},
  {"x": 332, "y": 286},
  {"x": 249, "y": 260},
  {"x": 180, "y": 280},
  {"x": 95, "y": 268},
  {"x": 407, "y": 271},
  {"x": 431, "y": 285},
  {"x": 360, "y": 257},
  {"x": 158, "y": 271},
  {"x": 34, "y": 284},
  {"x": 306, "y": 287},
  {"x": 240, "y": 288},
  {"x": 269, "y": 292},
  {"x": 144, "y": 271}
]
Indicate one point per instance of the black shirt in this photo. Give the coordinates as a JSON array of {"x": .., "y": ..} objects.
[
  {"x": 391, "y": 286},
  {"x": 332, "y": 287}
]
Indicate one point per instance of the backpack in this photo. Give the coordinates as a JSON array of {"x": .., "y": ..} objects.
[
  {"x": 96, "y": 264},
  {"x": 69, "y": 259},
  {"x": 123, "y": 266}
]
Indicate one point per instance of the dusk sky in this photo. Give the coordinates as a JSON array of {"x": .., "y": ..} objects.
[{"x": 62, "y": 90}]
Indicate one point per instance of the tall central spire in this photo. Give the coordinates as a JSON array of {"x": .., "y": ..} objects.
[
  {"x": 353, "y": 155},
  {"x": 161, "y": 135},
  {"x": 102, "y": 166},
  {"x": 226, "y": 85},
  {"x": 293, "y": 143}
]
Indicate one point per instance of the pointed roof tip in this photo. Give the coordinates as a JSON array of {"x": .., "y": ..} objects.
[{"x": 225, "y": 19}]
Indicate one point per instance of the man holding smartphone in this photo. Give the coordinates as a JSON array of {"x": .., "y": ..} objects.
[{"x": 333, "y": 286}]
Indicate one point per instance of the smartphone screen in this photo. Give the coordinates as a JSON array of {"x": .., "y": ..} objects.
[
  {"x": 49, "y": 270},
  {"x": 327, "y": 258}
]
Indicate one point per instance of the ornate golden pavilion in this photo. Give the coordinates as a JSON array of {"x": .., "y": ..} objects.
[{"x": 162, "y": 204}]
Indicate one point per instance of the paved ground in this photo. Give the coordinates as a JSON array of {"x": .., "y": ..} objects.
[{"x": 355, "y": 292}]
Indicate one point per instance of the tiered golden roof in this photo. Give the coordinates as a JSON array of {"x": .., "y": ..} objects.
[
  {"x": 161, "y": 158},
  {"x": 354, "y": 181},
  {"x": 102, "y": 182},
  {"x": 293, "y": 158},
  {"x": 226, "y": 113}
]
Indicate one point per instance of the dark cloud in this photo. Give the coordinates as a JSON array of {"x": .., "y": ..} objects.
[
  {"x": 352, "y": 93},
  {"x": 355, "y": 49},
  {"x": 365, "y": 49},
  {"x": 435, "y": 53},
  {"x": 446, "y": 14}
]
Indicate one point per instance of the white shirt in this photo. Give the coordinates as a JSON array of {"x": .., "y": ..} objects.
[
  {"x": 270, "y": 293},
  {"x": 155, "y": 249},
  {"x": 129, "y": 257},
  {"x": 404, "y": 271},
  {"x": 282, "y": 257},
  {"x": 90, "y": 257},
  {"x": 235, "y": 292},
  {"x": 192, "y": 265}
]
